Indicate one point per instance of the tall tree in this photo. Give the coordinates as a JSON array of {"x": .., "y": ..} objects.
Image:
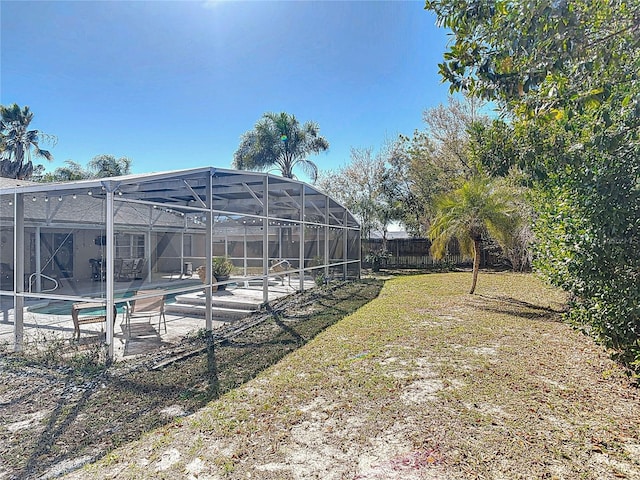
[
  {"x": 477, "y": 209},
  {"x": 279, "y": 141},
  {"x": 108, "y": 166},
  {"x": 100, "y": 166},
  {"x": 364, "y": 187},
  {"x": 421, "y": 179},
  {"x": 69, "y": 172},
  {"x": 434, "y": 160},
  {"x": 493, "y": 149},
  {"x": 447, "y": 127},
  {"x": 18, "y": 142},
  {"x": 567, "y": 73}
]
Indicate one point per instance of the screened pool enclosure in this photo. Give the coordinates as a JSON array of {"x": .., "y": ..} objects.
[{"x": 101, "y": 241}]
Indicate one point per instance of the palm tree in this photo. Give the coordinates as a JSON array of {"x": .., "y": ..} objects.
[
  {"x": 109, "y": 166},
  {"x": 278, "y": 140},
  {"x": 18, "y": 141},
  {"x": 477, "y": 209}
]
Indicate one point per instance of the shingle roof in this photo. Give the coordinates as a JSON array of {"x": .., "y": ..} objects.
[{"x": 12, "y": 182}]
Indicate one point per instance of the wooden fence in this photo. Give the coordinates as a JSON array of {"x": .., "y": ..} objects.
[
  {"x": 414, "y": 253},
  {"x": 420, "y": 261}
]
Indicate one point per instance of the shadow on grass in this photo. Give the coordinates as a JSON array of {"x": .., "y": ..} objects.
[
  {"x": 97, "y": 413},
  {"x": 62, "y": 416},
  {"x": 511, "y": 306}
]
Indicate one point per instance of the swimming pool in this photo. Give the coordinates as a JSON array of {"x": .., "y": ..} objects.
[{"x": 63, "y": 307}]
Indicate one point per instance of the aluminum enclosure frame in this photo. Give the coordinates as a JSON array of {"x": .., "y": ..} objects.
[{"x": 69, "y": 242}]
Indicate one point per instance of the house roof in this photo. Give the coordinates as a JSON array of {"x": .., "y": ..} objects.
[{"x": 12, "y": 182}]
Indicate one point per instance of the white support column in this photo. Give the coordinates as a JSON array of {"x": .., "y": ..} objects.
[
  {"x": 359, "y": 253},
  {"x": 279, "y": 242},
  {"x": 265, "y": 240},
  {"x": 147, "y": 254},
  {"x": 301, "y": 238},
  {"x": 109, "y": 272},
  {"x": 182, "y": 270},
  {"x": 38, "y": 259},
  {"x": 244, "y": 248},
  {"x": 209, "y": 254},
  {"x": 18, "y": 272},
  {"x": 326, "y": 238},
  {"x": 345, "y": 245}
]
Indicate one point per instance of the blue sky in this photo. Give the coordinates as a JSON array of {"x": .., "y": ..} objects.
[{"x": 174, "y": 84}]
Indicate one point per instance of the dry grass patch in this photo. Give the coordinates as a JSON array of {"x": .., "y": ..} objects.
[
  {"x": 57, "y": 414},
  {"x": 423, "y": 382}
]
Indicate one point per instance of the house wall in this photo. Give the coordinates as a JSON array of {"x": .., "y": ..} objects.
[
  {"x": 166, "y": 251},
  {"x": 84, "y": 248}
]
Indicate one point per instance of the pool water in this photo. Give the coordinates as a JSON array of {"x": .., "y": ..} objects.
[{"x": 64, "y": 307}]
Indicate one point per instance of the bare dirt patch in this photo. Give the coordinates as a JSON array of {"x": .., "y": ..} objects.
[
  {"x": 503, "y": 391},
  {"x": 57, "y": 413}
]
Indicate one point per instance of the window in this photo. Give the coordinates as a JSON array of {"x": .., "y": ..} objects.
[{"x": 129, "y": 245}]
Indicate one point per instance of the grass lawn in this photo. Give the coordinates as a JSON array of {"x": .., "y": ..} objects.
[{"x": 423, "y": 382}]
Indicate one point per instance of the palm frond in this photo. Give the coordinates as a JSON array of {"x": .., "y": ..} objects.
[
  {"x": 472, "y": 211},
  {"x": 309, "y": 168},
  {"x": 18, "y": 140},
  {"x": 43, "y": 153},
  {"x": 278, "y": 140}
]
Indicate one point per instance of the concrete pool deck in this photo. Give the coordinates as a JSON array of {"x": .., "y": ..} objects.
[{"x": 143, "y": 335}]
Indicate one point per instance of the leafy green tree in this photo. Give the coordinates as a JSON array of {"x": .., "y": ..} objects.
[
  {"x": 390, "y": 205},
  {"x": 279, "y": 141},
  {"x": 470, "y": 213},
  {"x": 434, "y": 160},
  {"x": 69, "y": 172},
  {"x": 100, "y": 166},
  {"x": 567, "y": 73},
  {"x": 18, "y": 142},
  {"x": 109, "y": 166},
  {"x": 420, "y": 180},
  {"x": 364, "y": 187},
  {"x": 493, "y": 149}
]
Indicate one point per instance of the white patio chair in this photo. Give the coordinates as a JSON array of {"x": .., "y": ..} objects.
[{"x": 146, "y": 303}]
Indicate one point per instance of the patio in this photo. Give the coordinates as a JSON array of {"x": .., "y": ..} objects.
[
  {"x": 47, "y": 321},
  {"x": 100, "y": 241}
]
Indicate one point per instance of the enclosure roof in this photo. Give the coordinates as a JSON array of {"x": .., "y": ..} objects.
[
  {"x": 236, "y": 191},
  {"x": 34, "y": 187}
]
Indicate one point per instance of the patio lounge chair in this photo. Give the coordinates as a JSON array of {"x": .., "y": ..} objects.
[
  {"x": 146, "y": 303},
  {"x": 129, "y": 268},
  {"x": 279, "y": 266}
]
